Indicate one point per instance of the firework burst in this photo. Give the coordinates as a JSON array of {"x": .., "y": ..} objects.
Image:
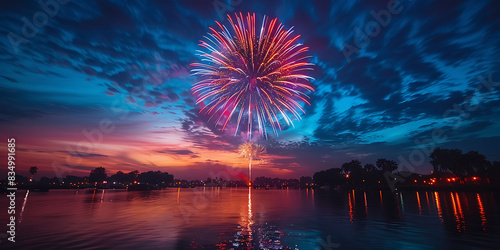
[
  {"x": 251, "y": 152},
  {"x": 250, "y": 75}
]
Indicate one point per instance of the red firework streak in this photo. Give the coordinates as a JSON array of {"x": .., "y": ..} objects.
[{"x": 248, "y": 76}]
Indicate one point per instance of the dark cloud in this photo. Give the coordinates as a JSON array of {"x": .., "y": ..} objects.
[
  {"x": 86, "y": 155},
  {"x": 176, "y": 151},
  {"x": 10, "y": 79}
]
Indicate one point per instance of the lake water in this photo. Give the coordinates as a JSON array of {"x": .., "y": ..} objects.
[{"x": 214, "y": 218}]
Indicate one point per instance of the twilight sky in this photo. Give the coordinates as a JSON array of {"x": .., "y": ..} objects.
[{"x": 104, "y": 83}]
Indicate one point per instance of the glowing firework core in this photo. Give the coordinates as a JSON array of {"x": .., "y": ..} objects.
[{"x": 252, "y": 76}]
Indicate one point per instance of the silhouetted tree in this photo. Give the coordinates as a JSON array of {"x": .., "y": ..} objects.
[
  {"x": 462, "y": 165},
  {"x": 123, "y": 178},
  {"x": 157, "y": 178},
  {"x": 353, "y": 167},
  {"x": 98, "y": 175},
  {"x": 118, "y": 177},
  {"x": 386, "y": 165},
  {"x": 44, "y": 181},
  {"x": 132, "y": 175},
  {"x": 369, "y": 168},
  {"x": 443, "y": 160},
  {"x": 475, "y": 164},
  {"x": 331, "y": 177},
  {"x": 33, "y": 171}
]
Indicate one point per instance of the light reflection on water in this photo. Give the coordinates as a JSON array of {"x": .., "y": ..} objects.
[{"x": 242, "y": 218}]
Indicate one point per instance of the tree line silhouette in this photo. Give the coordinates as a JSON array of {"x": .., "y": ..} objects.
[
  {"x": 463, "y": 165},
  {"x": 446, "y": 163},
  {"x": 97, "y": 178}
]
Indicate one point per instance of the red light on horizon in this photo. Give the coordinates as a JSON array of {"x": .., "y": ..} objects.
[{"x": 346, "y": 176}]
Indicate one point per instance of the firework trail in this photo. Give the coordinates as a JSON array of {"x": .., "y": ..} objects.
[{"x": 247, "y": 75}]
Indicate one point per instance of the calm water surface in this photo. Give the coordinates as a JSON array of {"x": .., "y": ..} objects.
[{"x": 214, "y": 218}]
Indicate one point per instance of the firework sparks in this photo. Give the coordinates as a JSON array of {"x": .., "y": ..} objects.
[
  {"x": 247, "y": 75},
  {"x": 251, "y": 152}
]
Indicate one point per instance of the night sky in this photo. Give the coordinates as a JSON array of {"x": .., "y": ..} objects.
[{"x": 123, "y": 69}]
